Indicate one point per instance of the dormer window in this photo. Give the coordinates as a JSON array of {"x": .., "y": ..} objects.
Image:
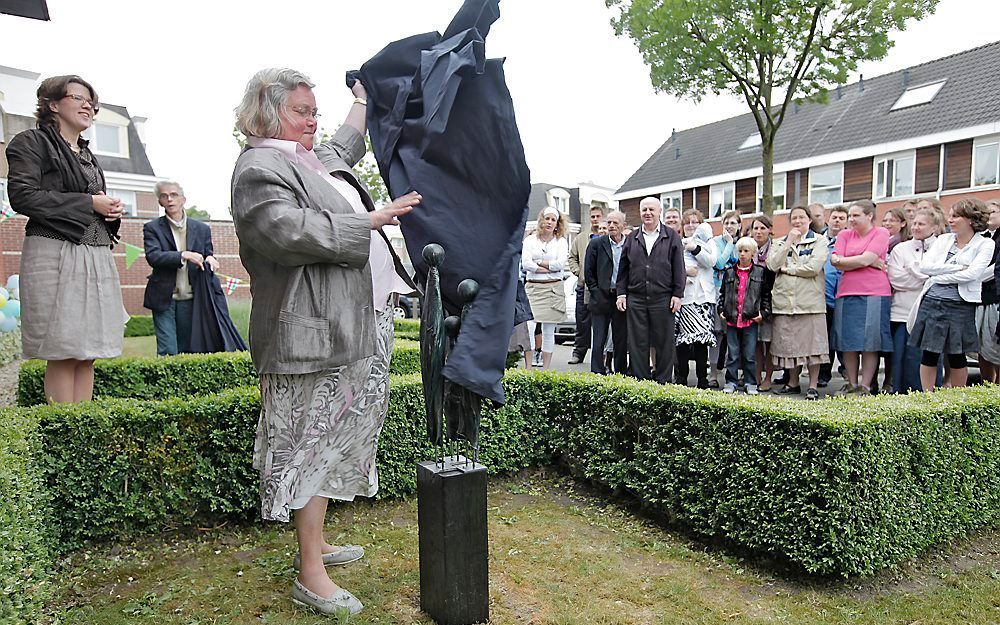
[
  {"x": 753, "y": 141},
  {"x": 559, "y": 199},
  {"x": 918, "y": 95}
]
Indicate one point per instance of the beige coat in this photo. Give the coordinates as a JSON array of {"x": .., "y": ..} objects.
[
  {"x": 307, "y": 254},
  {"x": 799, "y": 284}
]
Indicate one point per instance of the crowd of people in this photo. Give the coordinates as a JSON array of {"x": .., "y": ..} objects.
[{"x": 909, "y": 296}]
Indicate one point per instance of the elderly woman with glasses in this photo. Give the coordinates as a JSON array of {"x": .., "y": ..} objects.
[
  {"x": 323, "y": 278},
  {"x": 71, "y": 300}
]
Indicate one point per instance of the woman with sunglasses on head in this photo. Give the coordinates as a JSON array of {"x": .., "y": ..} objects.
[{"x": 71, "y": 301}]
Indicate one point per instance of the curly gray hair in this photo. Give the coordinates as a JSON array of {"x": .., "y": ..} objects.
[{"x": 257, "y": 114}]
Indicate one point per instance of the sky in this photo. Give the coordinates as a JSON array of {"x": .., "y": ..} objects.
[{"x": 582, "y": 96}]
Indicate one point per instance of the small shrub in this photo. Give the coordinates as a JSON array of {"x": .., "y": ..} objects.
[{"x": 140, "y": 325}]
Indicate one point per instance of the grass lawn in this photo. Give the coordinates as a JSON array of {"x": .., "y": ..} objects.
[{"x": 558, "y": 555}]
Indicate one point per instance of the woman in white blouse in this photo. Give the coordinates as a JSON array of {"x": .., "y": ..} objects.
[
  {"x": 544, "y": 255},
  {"x": 945, "y": 317},
  {"x": 907, "y": 282}
]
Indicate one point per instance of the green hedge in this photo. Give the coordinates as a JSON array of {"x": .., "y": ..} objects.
[
  {"x": 140, "y": 325},
  {"x": 841, "y": 487},
  {"x": 120, "y": 467},
  {"x": 163, "y": 377},
  {"x": 24, "y": 521}
]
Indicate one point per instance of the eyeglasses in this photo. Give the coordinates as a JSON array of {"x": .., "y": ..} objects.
[
  {"x": 169, "y": 196},
  {"x": 303, "y": 111},
  {"x": 81, "y": 100}
]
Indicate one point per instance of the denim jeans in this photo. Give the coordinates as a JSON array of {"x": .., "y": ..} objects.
[
  {"x": 173, "y": 328},
  {"x": 742, "y": 349}
]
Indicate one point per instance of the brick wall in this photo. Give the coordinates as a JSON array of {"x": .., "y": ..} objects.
[{"x": 133, "y": 280}]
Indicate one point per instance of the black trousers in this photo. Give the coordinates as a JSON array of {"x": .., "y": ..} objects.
[
  {"x": 698, "y": 352},
  {"x": 618, "y": 323},
  {"x": 581, "y": 343},
  {"x": 650, "y": 326}
]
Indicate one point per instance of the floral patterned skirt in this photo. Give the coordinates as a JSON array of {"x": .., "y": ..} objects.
[{"x": 318, "y": 432}]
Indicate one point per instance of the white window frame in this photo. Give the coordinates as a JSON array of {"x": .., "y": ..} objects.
[
  {"x": 559, "y": 199},
  {"x": 91, "y": 135},
  {"x": 127, "y": 197},
  {"x": 667, "y": 200},
  {"x": 832, "y": 166},
  {"x": 723, "y": 209},
  {"x": 894, "y": 158},
  {"x": 774, "y": 184},
  {"x": 919, "y": 94},
  {"x": 981, "y": 142},
  {"x": 4, "y": 198}
]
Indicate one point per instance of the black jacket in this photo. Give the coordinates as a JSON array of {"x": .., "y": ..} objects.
[
  {"x": 46, "y": 183},
  {"x": 163, "y": 257},
  {"x": 990, "y": 294},
  {"x": 657, "y": 276},
  {"x": 757, "y": 300},
  {"x": 598, "y": 265}
]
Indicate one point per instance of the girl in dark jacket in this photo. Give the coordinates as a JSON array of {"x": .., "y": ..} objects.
[{"x": 743, "y": 303}]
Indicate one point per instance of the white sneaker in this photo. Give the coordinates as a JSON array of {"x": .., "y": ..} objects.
[
  {"x": 729, "y": 389},
  {"x": 752, "y": 389}
]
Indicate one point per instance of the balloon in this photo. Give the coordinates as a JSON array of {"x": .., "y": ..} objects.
[
  {"x": 12, "y": 309},
  {"x": 13, "y": 282},
  {"x": 4, "y": 296},
  {"x": 7, "y": 324}
]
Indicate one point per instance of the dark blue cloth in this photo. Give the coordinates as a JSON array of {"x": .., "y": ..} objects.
[
  {"x": 441, "y": 122},
  {"x": 212, "y": 329}
]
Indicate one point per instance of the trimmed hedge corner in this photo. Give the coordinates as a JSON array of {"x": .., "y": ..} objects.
[
  {"x": 121, "y": 467},
  {"x": 24, "y": 522},
  {"x": 163, "y": 377}
]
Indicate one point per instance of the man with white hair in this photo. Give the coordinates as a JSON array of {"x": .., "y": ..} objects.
[
  {"x": 175, "y": 246},
  {"x": 649, "y": 288}
]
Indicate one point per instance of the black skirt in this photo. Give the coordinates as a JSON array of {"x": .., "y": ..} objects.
[{"x": 945, "y": 327}]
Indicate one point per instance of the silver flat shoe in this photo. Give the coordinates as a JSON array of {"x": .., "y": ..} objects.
[
  {"x": 344, "y": 555},
  {"x": 340, "y": 602}
]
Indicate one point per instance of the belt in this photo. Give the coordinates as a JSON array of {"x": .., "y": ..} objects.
[{"x": 543, "y": 281}]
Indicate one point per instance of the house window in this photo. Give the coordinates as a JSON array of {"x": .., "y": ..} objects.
[
  {"x": 826, "y": 184},
  {"x": 127, "y": 198},
  {"x": 753, "y": 141},
  {"x": 986, "y": 162},
  {"x": 917, "y": 95},
  {"x": 559, "y": 199},
  {"x": 721, "y": 198},
  {"x": 777, "y": 191},
  {"x": 4, "y": 199},
  {"x": 894, "y": 175},
  {"x": 108, "y": 139},
  {"x": 671, "y": 200}
]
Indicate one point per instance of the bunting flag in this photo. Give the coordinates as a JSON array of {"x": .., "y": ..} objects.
[
  {"x": 230, "y": 283},
  {"x": 132, "y": 254},
  {"x": 6, "y": 212}
]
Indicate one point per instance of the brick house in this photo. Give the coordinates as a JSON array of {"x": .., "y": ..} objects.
[
  {"x": 116, "y": 138},
  {"x": 932, "y": 130}
]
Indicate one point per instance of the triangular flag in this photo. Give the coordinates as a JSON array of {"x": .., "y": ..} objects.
[
  {"x": 6, "y": 212},
  {"x": 132, "y": 254}
]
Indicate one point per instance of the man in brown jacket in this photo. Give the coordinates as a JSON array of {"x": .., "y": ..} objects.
[{"x": 577, "y": 255}]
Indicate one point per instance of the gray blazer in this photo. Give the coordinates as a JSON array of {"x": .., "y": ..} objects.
[{"x": 306, "y": 251}]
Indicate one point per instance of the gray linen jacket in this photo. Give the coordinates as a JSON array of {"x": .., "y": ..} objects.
[{"x": 306, "y": 251}]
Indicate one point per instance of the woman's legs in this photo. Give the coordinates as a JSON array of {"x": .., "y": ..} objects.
[
  {"x": 69, "y": 381},
  {"x": 699, "y": 352},
  {"x": 959, "y": 374},
  {"x": 869, "y": 367},
  {"x": 813, "y": 375},
  {"x": 548, "y": 343},
  {"x": 764, "y": 365},
  {"x": 309, "y": 532},
  {"x": 928, "y": 370},
  {"x": 851, "y": 364},
  {"x": 794, "y": 375}
]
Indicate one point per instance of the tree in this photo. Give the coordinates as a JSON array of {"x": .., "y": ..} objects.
[
  {"x": 768, "y": 52},
  {"x": 196, "y": 213},
  {"x": 366, "y": 169}
]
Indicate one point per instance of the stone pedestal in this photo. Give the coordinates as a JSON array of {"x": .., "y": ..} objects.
[{"x": 454, "y": 570}]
